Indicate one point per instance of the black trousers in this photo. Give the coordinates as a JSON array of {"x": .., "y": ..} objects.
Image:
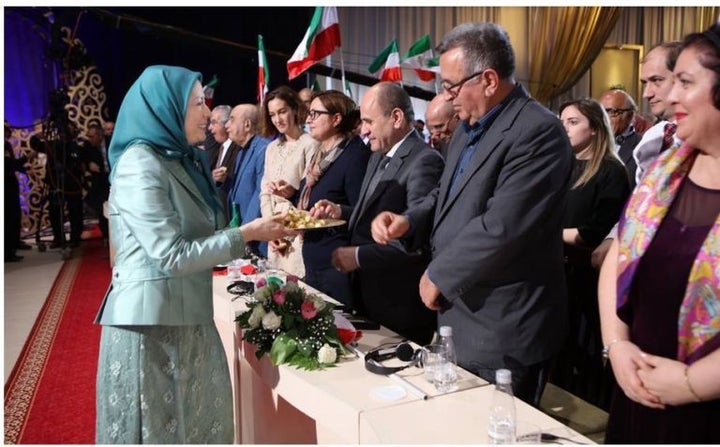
[{"x": 74, "y": 204}]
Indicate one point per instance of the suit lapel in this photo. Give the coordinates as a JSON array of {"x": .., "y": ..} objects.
[
  {"x": 229, "y": 156},
  {"x": 180, "y": 174},
  {"x": 391, "y": 170},
  {"x": 487, "y": 145}
]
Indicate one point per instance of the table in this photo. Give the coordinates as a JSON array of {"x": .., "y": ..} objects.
[
  {"x": 455, "y": 418},
  {"x": 339, "y": 405}
]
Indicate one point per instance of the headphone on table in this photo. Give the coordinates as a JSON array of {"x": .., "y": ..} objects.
[{"x": 403, "y": 351}]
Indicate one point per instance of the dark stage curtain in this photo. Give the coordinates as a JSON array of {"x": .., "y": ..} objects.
[{"x": 29, "y": 74}]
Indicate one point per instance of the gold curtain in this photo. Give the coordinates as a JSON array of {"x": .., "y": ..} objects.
[
  {"x": 664, "y": 24},
  {"x": 565, "y": 42}
]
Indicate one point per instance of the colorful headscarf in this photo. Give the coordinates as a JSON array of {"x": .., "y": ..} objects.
[
  {"x": 153, "y": 112},
  {"x": 699, "y": 317}
]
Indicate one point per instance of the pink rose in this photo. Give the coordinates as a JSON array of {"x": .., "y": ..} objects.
[
  {"x": 279, "y": 297},
  {"x": 308, "y": 310},
  {"x": 292, "y": 278},
  {"x": 260, "y": 283}
]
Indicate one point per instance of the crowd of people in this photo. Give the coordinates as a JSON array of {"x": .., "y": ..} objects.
[
  {"x": 495, "y": 220},
  {"x": 76, "y": 176}
]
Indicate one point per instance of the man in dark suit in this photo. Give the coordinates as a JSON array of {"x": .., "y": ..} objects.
[
  {"x": 621, "y": 109},
  {"x": 401, "y": 172},
  {"x": 223, "y": 164},
  {"x": 495, "y": 221}
]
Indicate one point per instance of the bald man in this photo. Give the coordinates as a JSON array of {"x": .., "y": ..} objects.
[
  {"x": 241, "y": 127},
  {"x": 441, "y": 121},
  {"x": 621, "y": 109}
]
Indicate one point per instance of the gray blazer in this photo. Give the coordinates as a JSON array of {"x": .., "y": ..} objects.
[
  {"x": 497, "y": 240},
  {"x": 164, "y": 234}
]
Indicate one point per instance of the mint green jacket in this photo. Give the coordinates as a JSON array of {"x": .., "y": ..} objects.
[{"x": 166, "y": 244}]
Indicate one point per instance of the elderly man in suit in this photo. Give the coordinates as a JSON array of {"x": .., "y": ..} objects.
[
  {"x": 401, "y": 172},
  {"x": 495, "y": 222},
  {"x": 223, "y": 164},
  {"x": 621, "y": 109},
  {"x": 249, "y": 165}
]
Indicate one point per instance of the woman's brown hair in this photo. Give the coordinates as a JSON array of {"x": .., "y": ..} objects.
[{"x": 602, "y": 144}]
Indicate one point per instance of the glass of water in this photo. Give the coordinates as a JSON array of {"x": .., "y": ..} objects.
[
  {"x": 431, "y": 357},
  {"x": 445, "y": 374}
]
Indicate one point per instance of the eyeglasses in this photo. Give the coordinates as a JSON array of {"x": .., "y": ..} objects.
[
  {"x": 454, "y": 89},
  {"x": 313, "y": 114},
  {"x": 617, "y": 112}
]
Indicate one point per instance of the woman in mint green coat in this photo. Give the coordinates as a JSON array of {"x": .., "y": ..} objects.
[{"x": 162, "y": 373}]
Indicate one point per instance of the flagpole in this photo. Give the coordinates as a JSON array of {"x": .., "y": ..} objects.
[{"x": 342, "y": 71}]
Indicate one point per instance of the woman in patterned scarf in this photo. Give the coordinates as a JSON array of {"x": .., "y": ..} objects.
[{"x": 660, "y": 285}]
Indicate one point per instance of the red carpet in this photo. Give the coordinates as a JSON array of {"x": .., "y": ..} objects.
[{"x": 50, "y": 395}]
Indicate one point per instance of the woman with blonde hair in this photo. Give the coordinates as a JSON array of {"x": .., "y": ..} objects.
[
  {"x": 286, "y": 159},
  {"x": 600, "y": 186}
]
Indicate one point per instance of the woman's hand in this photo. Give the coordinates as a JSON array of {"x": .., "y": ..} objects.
[
  {"x": 266, "y": 229},
  {"x": 281, "y": 188},
  {"x": 666, "y": 380},
  {"x": 325, "y": 209},
  {"x": 627, "y": 360}
]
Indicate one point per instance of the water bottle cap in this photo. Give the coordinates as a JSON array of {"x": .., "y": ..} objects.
[
  {"x": 446, "y": 331},
  {"x": 503, "y": 376}
]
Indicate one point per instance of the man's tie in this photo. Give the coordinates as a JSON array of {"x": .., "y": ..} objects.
[
  {"x": 668, "y": 133},
  {"x": 376, "y": 177}
]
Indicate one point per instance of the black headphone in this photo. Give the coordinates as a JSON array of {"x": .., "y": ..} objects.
[{"x": 402, "y": 351}]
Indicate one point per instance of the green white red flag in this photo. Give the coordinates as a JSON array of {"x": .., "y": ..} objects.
[
  {"x": 417, "y": 57},
  {"x": 263, "y": 72},
  {"x": 389, "y": 61},
  {"x": 209, "y": 91},
  {"x": 321, "y": 39}
]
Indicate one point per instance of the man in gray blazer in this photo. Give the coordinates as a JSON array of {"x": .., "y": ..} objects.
[
  {"x": 402, "y": 171},
  {"x": 495, "y": 221}
]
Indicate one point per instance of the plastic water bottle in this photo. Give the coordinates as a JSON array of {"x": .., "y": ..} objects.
[
  {"x": 501, "y": 427},
  {"x": 446, "y": 376}
]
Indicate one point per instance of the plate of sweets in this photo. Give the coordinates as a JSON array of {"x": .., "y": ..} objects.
[{"x": 302, "y": 220}]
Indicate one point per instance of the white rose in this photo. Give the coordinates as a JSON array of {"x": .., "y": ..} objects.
[
  {"x": 291, "y": 287},
  {"x": 271, "y": 321},
  {"x": 256, "y": 316},
  {"x": 318, "y": 302},
  {"x": 327, "y": 354}
]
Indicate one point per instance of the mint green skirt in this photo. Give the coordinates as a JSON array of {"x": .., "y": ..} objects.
[{"x": 163, "y": 385}]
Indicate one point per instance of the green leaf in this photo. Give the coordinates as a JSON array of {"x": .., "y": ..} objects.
[{"x": 282, "y": 348}]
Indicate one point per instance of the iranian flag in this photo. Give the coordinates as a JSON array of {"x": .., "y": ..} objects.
[
  {"x": 417, "y": 56},
  {"x": 389, "y": 61},
  {"x": 209, "y": 91},
  {"x": 263, "y": 72},
  {"x": 321, "y": 39},
  {"x": 432, "y": 64}
]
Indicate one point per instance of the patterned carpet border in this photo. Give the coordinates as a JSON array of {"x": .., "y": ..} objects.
[{"x": 23, "y": 381}]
